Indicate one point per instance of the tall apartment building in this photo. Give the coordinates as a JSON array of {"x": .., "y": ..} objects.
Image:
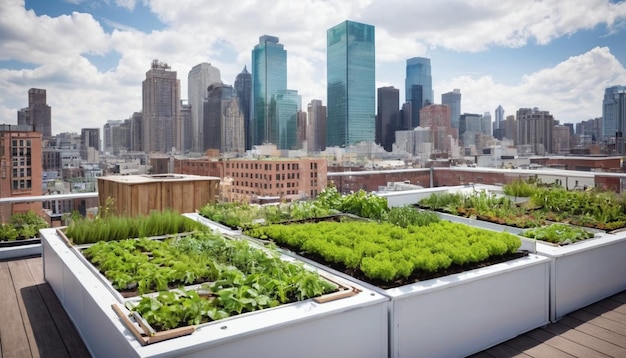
[
  {"x": 316, "y": 126},
  {"x": 187, "y": 126},
  {"x": 89, "y": 144},
  {"x": 561, "y": 139},
  {"x": 418, "y": 87},
  {"x": 199, "y": 78},
  {"x": 510, "y": 128},
  {"x": 38, "y": 114},
  {"x": 437, "y": 118},
  {"x": 388, "y": 117},
  {"x": 20, "y": 168},
  {"x": 223, "y": 120},
  {"x": 498, "y": 124},
  {"x": 534, "y": 129},
  {"x": 161, "y": 125},
  {"x": 614, "y": 116},
  {"x": 351, "y": 86},
  {"x": 453, "y": 100},
  {"x": 269, "y": 78},
  {"x": 243, "y": 87},
  {"x": 251, "y": 180}
]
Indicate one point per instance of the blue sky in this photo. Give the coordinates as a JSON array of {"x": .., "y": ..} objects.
[{"x": 91, "y": 55}]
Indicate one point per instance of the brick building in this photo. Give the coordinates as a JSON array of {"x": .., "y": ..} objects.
[
  {"x": 252, "y": 180},
  {"x": 20, "y": 168}
]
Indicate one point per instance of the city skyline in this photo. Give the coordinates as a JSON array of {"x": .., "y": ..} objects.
[{"x": 91, "y": 56}]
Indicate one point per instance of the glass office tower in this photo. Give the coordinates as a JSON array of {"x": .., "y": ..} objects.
[
  {"x": 418, "y": 86},
  {"x": 269, "y": 78},
  {"x": 351, "y": 84}
]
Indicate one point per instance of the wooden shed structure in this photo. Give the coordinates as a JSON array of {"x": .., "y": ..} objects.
[{"x": 140, "y": 194}]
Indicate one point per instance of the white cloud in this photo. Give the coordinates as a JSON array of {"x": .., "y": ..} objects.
[
  {"x": 572, "y": 90},
  {"x": 224, "y": 34}
]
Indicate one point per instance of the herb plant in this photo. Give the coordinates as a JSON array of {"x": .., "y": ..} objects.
[
  {"x": 238, "y": 277},
  {"x": 387, "y": 252},
  {"x": 558, "y": 233}
]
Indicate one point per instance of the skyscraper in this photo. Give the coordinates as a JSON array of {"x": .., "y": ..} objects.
[
  {"x": 534, "y": 129},
  {"x": 38, "y": 113},
  {"x": 89, "y": 143},
  {"x": 418, "y": 86},
  {"x": 316, "y": 126},
  {"x": 243, "y": 87},
  {"x": 453, "y": 100},
  {"x": 269, "y": 78},
  {"x": 498, "y": 124},
  {"x": 350, "y": 83},
  {"x": 614, "y": 115},
  {"x": 388, "y": 116},
  {"x": 223, "y": 120},
  {"x": 284, "y": 131},
  {"x": 161, "y": 127},
  {"x": 187, "y": 125},
  {"x": 199, "y": 79}
]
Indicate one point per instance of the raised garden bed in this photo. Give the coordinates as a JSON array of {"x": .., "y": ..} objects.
[
  {"x": 581, "y": 273},
  {"x": 317, "y": 305},
  {"x": 20, "y": 236},
  {"x": 439, "y": 278}
]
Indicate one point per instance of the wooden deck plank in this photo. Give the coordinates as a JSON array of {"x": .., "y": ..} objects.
[
  {"x": 43, "y": 337},
  {"x": 535, "y": 348},
  {"x": 71, "y": 339},
  {"x": 563, "y": 344},
  {"x": 595, "y": 331},
  {"x": 503, "y": 350},
  {"x": 4, "y": 265},
  {"x": 611, "y": 314},
  {"x": 600, "y": 321},
  {"x": 587, "y": 340},
  {"x": 12, "y": 331}
]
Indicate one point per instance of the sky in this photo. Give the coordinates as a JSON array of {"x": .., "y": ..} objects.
[{"x": 92, "y": 55}]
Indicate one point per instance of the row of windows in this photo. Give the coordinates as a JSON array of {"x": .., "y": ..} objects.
[
  {"x": 21, "y": 161},
  {"x": 22, "y": 184},
  {"x": 266, "y": 176},
  {"x": 248, "y": 192},
  {"x": 265, "y": 185},
  {"x": 264, "y": 166},
  {"x": 21, "y": 143},
  {"x": 22, "y": 172}
]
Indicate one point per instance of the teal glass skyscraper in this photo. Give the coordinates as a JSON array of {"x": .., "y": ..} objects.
[
  {"x": 418, "y": 86},
  {"x": 269, "y": 78},
  {"x": 351, "y": 86}
]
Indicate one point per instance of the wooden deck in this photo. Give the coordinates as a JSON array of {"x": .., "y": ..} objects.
[
  {"x": 32, "y": 320},
  {"x": 34, "y": 324}
]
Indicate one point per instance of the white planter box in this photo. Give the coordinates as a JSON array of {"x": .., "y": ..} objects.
[
  {"x": 465, "y": 313},
  {"x": 585, "y": 272},
  {"x": 24, "y": 249},
  {"x": 355, "y": 326}
]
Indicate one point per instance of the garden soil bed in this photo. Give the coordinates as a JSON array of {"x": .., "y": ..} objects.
[{"x": 415, "y": 276}]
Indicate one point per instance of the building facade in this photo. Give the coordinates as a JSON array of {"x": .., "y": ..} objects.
[
  {"x": 388, "y": 117},
  {"x": 534, "y": 129},
  {"x": 351, "y": 86},
  {"x": 453, "y": 100},
  {"x": 243, "y": 87},
  {"x": 199, "y": 78},
  {"x": 498, "y": 124},
  {"x": 614, "y": 116},
  {"x": 316, "y": 126},
  {"x": 436, "y": 117},
  {"x": 20, "y": 168},
  {"x": 418, "y": 86},
  {"x": 223, "y": 120},
  {"x": 89, "y": 144},
  {"x": 161, "y": 125},
  {"x": 253, "y": 180},
  {"x": 38, "y": 114},
  {"x": 269, "y": 78}
]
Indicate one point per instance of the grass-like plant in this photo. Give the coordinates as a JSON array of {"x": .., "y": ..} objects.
[{"x": 112, "y": 227}]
